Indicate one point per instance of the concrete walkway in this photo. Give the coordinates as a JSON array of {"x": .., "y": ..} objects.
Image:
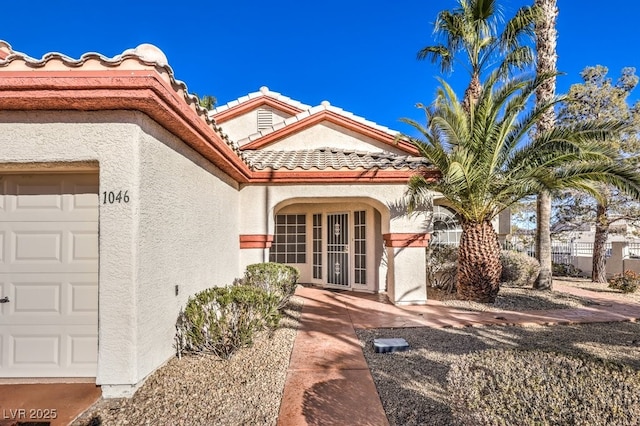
[{"x": 328, "y": 380}]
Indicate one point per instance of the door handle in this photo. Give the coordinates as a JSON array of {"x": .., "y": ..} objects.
[{"x": 4, "y": 300}]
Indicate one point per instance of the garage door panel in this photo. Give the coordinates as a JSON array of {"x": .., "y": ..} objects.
[
  {"x": 61, "y": 198},
  {"x": 84, "y": 298},
  {"x": 49, "y": 247},
  {"x": 40, "y": 349},
  {"x": 37, "y": 247},
  {"x": 48, "y": 351},
  {"x": 49, "y": 272},
  {"x": 84, "y": 247},
  {"x": 49, "y": 299},
  {"x": 37, "y": 298}
]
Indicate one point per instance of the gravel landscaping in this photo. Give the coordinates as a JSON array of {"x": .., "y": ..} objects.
[
  {"x": 204, "y": 390},
  {"x": 412, "y": 384},
  {"x": 247, "y": 388},
  {"x": 515, "y": 299}
]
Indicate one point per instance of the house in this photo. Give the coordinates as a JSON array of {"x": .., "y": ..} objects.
[{"x": 120, "y": 197}]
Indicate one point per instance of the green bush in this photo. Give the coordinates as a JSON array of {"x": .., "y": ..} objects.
[
  {"x": 627, "y": 282},
  {"x": 274, "y": 278},
  {"x": 565, "y": 270},
  {"x": 223, "y": 319},
  {"x": 442, "y": 266},
  {"x": 518, "y": 269},
  {"x": 510, "y": 387}
]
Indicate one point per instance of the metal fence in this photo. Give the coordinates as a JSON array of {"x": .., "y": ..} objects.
[{"x": 562, "y": 252}]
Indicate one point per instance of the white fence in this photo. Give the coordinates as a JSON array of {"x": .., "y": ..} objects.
[{"x": 620, "y": 256}]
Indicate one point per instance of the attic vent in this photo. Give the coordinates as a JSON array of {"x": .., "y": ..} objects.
[{"x": 265, "y": 119}]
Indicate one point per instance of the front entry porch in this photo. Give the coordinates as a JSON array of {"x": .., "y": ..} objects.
[{"x": 333, "y": 245}]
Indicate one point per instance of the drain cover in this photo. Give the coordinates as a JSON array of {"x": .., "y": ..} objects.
[{"x": 390, "y": 345}]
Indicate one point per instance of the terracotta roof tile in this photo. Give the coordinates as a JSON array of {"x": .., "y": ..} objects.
[
  {"x": 331, "y": 158},
  {"x": 145, "y": 56}
]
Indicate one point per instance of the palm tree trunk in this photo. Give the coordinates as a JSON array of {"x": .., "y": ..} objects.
[
  {"x": 472, "y": 93},
  {"x": 479, "y": 266},
  {"x": 598, "y": 269},
  {"x": 543, "y": 242},
  {"x": 546, "y": 35}
]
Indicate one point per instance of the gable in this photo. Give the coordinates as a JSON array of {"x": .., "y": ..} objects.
[
  {"x": 330, "y": 135},
  {"x": 248, "y": 122}
]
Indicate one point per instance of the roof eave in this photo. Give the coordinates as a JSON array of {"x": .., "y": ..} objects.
[{"x": 145, "y": 91}]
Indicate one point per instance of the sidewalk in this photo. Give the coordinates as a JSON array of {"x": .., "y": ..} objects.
[{"x": 328, "y": 380}]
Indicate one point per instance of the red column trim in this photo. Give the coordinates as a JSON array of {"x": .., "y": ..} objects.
[
  {"x": 250, "y": 241},
  {"x": 407, "y": 240}
]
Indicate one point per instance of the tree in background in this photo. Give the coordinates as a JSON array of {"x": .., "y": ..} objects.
[
  {"x": 598, "y": 98},
  {"x": 207, "y": 101},
  {"x": 546, "y": 37},
  {"x": 487, "y": 163},
  {"x": 470, "y": 30}
]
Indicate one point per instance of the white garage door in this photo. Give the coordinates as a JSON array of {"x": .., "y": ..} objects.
[{"x": 48, "y": 275}]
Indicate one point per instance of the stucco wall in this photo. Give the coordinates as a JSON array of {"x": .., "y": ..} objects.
[
  {"x": 328, "y": 134},
  {"x": 187, "y": 236},
  {"x": 172, "y": 231}
]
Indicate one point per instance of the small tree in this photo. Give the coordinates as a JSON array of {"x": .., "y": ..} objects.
[{"x": 598, "y": 98}]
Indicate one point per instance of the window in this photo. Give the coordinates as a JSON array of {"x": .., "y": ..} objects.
[
  {"x": 360, "y": 242},
  {"x": 446, "y": 226},
  {"x": 289, "y": 245},
  {"x": 317, "y": 246}
]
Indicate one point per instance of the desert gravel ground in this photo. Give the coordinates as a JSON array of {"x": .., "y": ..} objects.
[
  {"x": 247, "y": 388},
  {"x": 204, "y": 390},
  {"x": 412, "y": 384}
]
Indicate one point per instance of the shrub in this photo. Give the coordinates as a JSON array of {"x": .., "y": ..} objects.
[
  {"x": 627, "y": 282},
  {"x": 518, "y": 269},
  {"x": 223, "y": 319},
  {"x": 565, "y": 270},
  {"x": 510, "y": 387},
  {"x": 442, "y": 266},
  {"x": 274, "y": 278}
]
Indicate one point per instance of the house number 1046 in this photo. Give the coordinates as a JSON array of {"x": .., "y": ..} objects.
[{"x": 112, "y": 197}]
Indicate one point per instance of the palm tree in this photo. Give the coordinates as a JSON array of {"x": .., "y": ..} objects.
[
  {"x": 546, "y": 35},
  {"x": 471, "y": 30},
  {"x": 487, "y": 163}
]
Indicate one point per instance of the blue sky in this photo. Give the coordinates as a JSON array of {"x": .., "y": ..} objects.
[{"x": 357, "y": 54}]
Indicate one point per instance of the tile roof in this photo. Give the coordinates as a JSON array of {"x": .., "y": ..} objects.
[
  {"x": 145, "y": 56},
  {"x": 331, "y": 158},
  {"x": 264, "y": 91}
]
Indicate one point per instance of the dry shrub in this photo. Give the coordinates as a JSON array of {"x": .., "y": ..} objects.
[
  {"x": 626, "y": 282},
  {"x": 518, "y": 269}
]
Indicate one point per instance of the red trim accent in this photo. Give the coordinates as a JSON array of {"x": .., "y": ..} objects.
[
  {"x": 140, "y": 90},
  {"x": 337, "y": 176},
  {"x": 250, "y": 241},
  {"x": 254, "y": 103},
  {"x": 406, "y": 240},
  {"x": 337, "y": 119}
]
